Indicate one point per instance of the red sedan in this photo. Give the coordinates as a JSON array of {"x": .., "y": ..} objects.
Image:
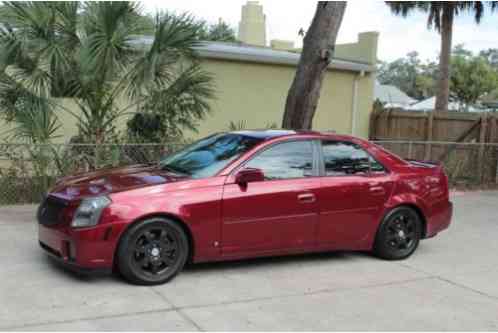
[{"x": 244, "y": 194}]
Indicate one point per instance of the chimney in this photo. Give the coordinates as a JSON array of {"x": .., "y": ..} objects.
[{"x": 252, "y": 25}]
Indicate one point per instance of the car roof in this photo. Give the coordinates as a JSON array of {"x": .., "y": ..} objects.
[{"x": 267, "y": 134}]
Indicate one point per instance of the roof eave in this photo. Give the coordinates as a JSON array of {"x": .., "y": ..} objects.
[
  {"x": 249, "y": 53},
  {"x": 290, "y": 59}
]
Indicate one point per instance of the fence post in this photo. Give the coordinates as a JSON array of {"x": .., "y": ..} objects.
[
  {"x": 430, "y": 126},
  {"x": 372, "y": 133},
  {"x": 482, "y": 142},
  {"x": 493, "y": 139},
  {"x": 410, "y": 149},
  {"x": 492, "y": 129}
]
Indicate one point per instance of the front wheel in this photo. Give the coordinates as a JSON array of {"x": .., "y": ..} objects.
[
  {"x": 152, "y": 251},
  {"x": 399, "y": 234}
]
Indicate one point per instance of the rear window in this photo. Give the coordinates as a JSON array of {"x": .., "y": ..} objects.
[{"x": 346, "y": 158}]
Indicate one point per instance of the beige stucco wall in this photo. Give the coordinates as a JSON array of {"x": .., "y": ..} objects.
[
  {"x": 255, "y": 93},
  {"x": 364, "y": 50}
]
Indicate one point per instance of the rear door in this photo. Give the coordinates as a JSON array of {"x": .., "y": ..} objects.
[
  {"x": 354, "y": 188},
  {"x": 279, "y": 213}
]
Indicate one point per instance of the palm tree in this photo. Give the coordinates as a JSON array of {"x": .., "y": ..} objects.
[
  {"x": 95, "y": 54},
  {"x": 220, "y": 31},
  {"x": 441, "y": 16}
]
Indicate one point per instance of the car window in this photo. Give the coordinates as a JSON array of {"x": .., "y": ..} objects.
[
  {"x": 346, "y": 158},
  {"x": 208, "y": 156},
  {"x": 375, "y": 166},
  {"x": 285, "y": 160}
]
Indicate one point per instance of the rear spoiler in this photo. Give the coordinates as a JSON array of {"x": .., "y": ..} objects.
[{"x": 422, "y": 163}]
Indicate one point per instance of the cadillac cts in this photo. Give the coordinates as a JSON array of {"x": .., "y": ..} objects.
[{"x": 244, "y": 194}]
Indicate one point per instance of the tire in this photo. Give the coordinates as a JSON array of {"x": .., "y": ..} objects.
[
  {"x": 152, "y": 252},
  {"x": 399, "y": 234}
]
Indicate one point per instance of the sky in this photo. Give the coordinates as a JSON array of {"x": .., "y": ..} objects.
[{"x": 398, "y": 36}]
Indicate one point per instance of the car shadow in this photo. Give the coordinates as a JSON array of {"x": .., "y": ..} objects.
[
  {"x": 76, "y": 276},
  {"x": 195, "y": 268},
  {"x": 283, "y": 260}
]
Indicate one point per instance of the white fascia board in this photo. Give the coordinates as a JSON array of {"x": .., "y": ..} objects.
[
  {"x": 263, "y": 55},
  {"x": 236, "y": 52}
]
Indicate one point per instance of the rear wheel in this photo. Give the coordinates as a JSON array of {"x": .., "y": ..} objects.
[
  {"x": 399, "y": 234},
  {"x": 152, "y": 251}
]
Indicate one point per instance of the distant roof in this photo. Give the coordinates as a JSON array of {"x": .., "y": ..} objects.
[
  {"x": 392, "y": 95},
  {"x": 430, "y": 103},
  {"x": 491, "y": 99},
  {"x": 243, "y": 52}
]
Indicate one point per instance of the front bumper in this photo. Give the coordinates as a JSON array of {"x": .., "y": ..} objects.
[
  {"x": 71, "y": 265},
  {"x": 82, "y": 250}
]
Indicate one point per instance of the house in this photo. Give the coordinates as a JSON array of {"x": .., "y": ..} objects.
[
  {"x": 253, "y": 76},
  {"x": 429, "y": 104},
  {"x": 391, "y": 96},
  {"x": 490, "y": 100}
]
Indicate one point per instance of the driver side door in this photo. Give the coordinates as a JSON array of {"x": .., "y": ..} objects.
[{"x": 279, "y": 213}]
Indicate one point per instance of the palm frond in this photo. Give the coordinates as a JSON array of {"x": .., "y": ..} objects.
[
  {"x": 88, "y": 51},
  {"x": 402, "y": 8},
  {"x": 237, "y": 125},
  {"x": 174, "y": 40},
  {"x": 10, "y": 92},
  {"x": 435, "y": 9},
  {"x": 109, "y": 29},
  {"x": 35, "y": 120},
  {"x": 186, "y": 100}
]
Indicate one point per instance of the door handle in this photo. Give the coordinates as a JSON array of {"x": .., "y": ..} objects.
[
  {"x": 377, "y": 190},
  {"x": 306, "y": 198}
]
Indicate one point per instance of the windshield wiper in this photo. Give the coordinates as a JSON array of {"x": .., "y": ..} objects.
[{"x": 175, "y": 169}]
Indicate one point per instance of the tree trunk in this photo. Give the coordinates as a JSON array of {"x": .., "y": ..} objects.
[
  {"x": 443, "y": 89},
  {"x": 318, "y": 49}
]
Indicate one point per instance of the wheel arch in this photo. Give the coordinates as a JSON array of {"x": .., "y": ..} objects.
[
  {"x": 172, "y": 217},
  {"x": 420, "y": 214},
  {"x": 417, "y": 210},
  {"x": 413, "y": 201}
]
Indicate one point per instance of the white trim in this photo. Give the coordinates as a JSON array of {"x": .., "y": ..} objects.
[
  {"x": 216, "y": 50},
  {"x": 354, "y": 111},
  {"x": 240, "y": 52}
]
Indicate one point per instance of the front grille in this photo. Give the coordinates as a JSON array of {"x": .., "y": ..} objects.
[{"x": 49, "y": 212}]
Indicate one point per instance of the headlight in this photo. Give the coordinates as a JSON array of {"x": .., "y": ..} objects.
[{"x": 89, "y": 211}]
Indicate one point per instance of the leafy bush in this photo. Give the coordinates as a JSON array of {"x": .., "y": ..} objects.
[{"x": 242, "y": 125}]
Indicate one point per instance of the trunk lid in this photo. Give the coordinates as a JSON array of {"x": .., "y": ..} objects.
[{"x": 434, "y": 176}]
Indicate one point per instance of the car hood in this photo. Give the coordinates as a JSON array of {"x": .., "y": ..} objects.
[{"x": 106, "y": 181}]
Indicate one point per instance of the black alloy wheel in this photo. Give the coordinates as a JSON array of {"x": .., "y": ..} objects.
[
  {"x": 399, "y": 234},
  {"x": 153, "y": 251}
]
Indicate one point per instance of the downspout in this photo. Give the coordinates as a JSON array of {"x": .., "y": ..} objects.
[{"x": 354, "y": 110}]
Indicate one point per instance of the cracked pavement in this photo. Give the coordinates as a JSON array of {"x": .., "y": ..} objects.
[{"x": 450, "y": 283}]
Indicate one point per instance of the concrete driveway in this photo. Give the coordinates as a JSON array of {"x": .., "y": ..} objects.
[{"x": 450, "y": 283}]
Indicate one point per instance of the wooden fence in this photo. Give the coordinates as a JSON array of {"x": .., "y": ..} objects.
[
  {"x": 399, "y": 125},
  {"x": 441, "y": 136}
]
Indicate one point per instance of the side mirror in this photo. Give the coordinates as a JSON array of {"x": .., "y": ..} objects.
[{"x": 249, "y": 175}]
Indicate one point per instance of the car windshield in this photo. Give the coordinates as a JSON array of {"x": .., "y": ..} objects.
[{"x": 207, "y": 156}]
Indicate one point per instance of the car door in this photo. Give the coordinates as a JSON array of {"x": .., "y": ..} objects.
[
  {"x": 354, "y": 188},
  {"x": 278, "y": 213}
]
